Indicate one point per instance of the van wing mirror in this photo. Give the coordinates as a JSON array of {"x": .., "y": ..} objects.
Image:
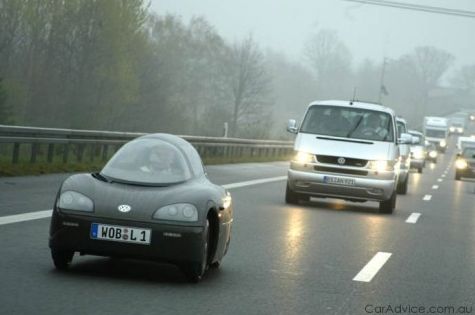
[
  {"x": 405, "y": 139},
  {"x": 415, "y": 140},
  {"x": 292, "y": 126}
]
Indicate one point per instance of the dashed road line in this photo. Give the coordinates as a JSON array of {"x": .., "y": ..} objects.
[
  {"x": 372, "y": 267},
  {"x": 427, "y": 197},
  {"x": 435, "y": 187},
  {"x": 413, "y": 217}
]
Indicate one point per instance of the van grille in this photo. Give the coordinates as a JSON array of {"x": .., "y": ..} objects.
[
  {"x": 328, "y": 159},
  {"x": 340, "y": 170}
]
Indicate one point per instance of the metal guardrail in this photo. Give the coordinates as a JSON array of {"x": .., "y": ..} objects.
[{"x": 31, "y": 144}]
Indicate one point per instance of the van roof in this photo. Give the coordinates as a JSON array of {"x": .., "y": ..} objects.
[{"x": 355, "y": 104}]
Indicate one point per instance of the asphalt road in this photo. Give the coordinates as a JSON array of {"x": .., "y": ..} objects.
[{"x": 301, "y": 259}]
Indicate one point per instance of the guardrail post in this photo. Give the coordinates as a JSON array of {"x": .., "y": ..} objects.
[
  {"x": 105, "y": 148},
  {"x": 16, "y": 152},
  {"x": 49, "y": 158},
  {"x": 34, "y": 152},
  {"x": 65, "y": 152},
  {"x": 92, "y": 149},
  {"x": 79, "y": 152}
]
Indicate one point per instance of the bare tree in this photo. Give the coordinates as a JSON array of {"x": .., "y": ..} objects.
[
  {"x": 248, "y": 81},
  {"x": 464, "y": 78},
  {"x": 331, "y": 62},
  {"x": 426, "y": 65}
]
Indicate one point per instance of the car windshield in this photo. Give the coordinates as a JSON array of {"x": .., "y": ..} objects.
[
  {"x": 148, "y": 162},
  {"x": 401, "y": 128},
  {"x": 469, "y": 153},
  {"x": 348, "y": 122},
  {"x": 419, "y": 138},
  {"x": 435, "y": 133}
]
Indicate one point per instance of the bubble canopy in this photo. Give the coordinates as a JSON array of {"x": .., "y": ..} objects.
[{"x": 154, "y": 160}]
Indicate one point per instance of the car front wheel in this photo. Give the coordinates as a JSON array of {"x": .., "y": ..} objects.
[
  {"x": 402, "y": 187},
  {"x": 293, "y": 197},
  {"x": 387, "y": 206},
  {"x": 62, "y": 259},
  {"x": 194, "y": 271}
]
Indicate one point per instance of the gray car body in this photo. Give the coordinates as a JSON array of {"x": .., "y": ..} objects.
[{"x": 144, "y": 200}]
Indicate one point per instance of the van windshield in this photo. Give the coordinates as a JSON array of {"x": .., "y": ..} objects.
[
  {"x": 435, "y": 133},
  {"x": 348, "y": 122}
]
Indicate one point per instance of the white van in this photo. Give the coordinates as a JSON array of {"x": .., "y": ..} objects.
[{"x": 346, "y": 150}]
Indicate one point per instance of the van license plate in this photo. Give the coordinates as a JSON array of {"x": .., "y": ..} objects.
[{"x": 339, "y": 180}]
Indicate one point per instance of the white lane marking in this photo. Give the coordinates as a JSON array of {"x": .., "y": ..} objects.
[
  {"x": 47, "y": 213},
  {"x": 427, "y": 197},
  {"x": 254, "y": 182},
  {"x": 443, "y": 175},
  {"x": 435, "y": 187},
  {"x": 413, "y": 217},
  {"x": 440, "y": 180},
  {"x": 25, "y": 217},
  {"x": 372, "y": 267}
]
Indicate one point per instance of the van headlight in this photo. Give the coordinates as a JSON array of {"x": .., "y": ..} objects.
[
  {"x": 433, "y": 154},
  {"x": 460, "y": 130},
  {"x": 461, "y": 164},
  {"x": 452, "y": 129},
  {"x": 72, "y": 200},
  {"x": 381, "y": 165},
  {"x": 304, "y": 157},
  {"x": 177, "y": 212},
  {"x": 443, "y": 143}
]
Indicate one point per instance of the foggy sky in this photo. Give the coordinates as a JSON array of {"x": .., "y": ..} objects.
[{"x": 369, "y": 31}]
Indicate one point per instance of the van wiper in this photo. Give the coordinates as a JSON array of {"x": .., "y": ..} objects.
[{"x": 355, "y": 127}]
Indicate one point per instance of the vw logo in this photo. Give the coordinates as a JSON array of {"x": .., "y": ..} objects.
[
  {"x": 341, "y": 160},
  {"x": 124, "y": 208}
]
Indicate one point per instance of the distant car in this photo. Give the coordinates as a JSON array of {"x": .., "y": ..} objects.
[
  {"x": 457, "y": 128},
  {"x": 151, "y": 201},
  {"x": 418, "y": 151},
  {"x": 465, "y": 164},
  {"x": 431, "y": 152},
  {"x": 404, "y": 155},
  {"x": 463, "y": 142}
]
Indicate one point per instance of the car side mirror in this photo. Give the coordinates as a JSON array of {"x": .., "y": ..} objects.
[
  {"x": 292, "y": 126},
  {"x": 405, "y": 139}
]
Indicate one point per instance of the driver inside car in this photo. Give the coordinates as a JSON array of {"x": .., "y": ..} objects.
[
  {"x": 372, "y": 128},
  {"x": 159, "y": 160}
]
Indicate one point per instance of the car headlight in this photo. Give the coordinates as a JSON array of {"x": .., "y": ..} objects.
[
  {"x": 452, "y": 129},
  {"x": 227, "y": 201},
  {"x": 460, "y": 130},
  {"x": 71, "y": 200},
  {"x": 304, "y": 157},
  {"x": 461, "y": 164},
  {"x": 177, "y": 212},
  {"x": 381, "y": 165},
  {"x": 433, "y": 154},
  {"x": 418, "y": 155},
  {"x": 443, "y": 143}
]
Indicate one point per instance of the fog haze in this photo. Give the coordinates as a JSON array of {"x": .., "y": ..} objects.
[{"x": 368, "y": 31}]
